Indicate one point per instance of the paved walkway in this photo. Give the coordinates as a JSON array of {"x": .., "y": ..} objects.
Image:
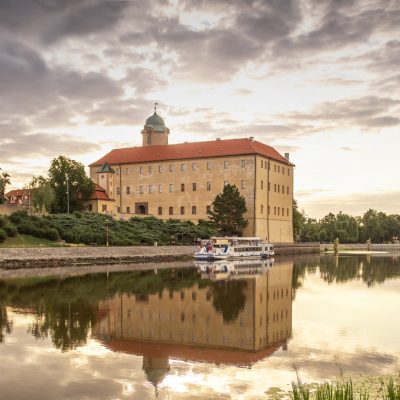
[{"x": 69, "y": 256}]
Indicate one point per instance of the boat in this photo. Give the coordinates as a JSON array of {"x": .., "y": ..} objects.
[
  {"x": 234, "y": 269},
  {"x": 230, "y": 248}
]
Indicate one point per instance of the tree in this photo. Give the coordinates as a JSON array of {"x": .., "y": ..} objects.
[
  {"x": 298, "y": 220},
  {"x": 4, "y": 181},
  {"x": 42, "y": 193},
  {"x": 227, "y": 211},
  {"x": 80, "y": 187}
]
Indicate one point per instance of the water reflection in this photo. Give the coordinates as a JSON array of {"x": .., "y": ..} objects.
[{"x": 235, "y": 316}]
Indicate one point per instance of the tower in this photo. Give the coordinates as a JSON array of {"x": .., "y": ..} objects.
[{"x": 154, "y": 132}]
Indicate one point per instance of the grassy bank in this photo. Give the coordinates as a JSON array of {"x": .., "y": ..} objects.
[{"x": 23, "y": 230}]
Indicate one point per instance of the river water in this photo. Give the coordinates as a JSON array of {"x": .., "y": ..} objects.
[{"x": 183, "y": 333}]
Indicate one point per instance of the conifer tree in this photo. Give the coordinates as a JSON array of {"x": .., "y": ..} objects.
[{"x": 227, "y": 211}]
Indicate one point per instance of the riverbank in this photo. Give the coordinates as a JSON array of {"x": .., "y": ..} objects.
[{"x": 12, "y": 258}]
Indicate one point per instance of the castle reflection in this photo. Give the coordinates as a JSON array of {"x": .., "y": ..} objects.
[{"x": 239, "y": 318}]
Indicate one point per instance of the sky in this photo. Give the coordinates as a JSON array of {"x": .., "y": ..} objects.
[{"x": 319, "y": 79}]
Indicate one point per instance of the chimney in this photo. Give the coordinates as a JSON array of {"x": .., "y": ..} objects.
[
  {"x": 251, "y": 139},
  {"x": 217, "y": 138},
  {"x": 287, "y": 156}
]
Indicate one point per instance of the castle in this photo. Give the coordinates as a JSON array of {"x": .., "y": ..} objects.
[{"x": 181, "y": 180}]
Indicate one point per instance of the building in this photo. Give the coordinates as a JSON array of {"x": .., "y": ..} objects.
[
  {"x": 22, "y": 197},
  {"x": 182, "y": 180}
]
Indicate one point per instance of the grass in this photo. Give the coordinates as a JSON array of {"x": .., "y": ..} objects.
[
  {"x": 342, "y": 390},
  {"x": 27, "y": 241}
]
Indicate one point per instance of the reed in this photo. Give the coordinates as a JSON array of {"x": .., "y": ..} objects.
[{"x": 392, "y": 391}]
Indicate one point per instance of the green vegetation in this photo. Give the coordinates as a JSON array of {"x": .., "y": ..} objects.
[
  {"x": 344, "y": 390},
  {"x": 27, "y": 241},
  {"x": 92, "y": 228},
  {"x": 43, "y": 194},
  {"x": 374, "y": 225},
  {"x": 4, "y": 181},
  {"x": 227, "y": 211}
]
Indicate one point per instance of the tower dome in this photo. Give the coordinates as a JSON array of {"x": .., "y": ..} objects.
[
  {"x": 154, "y": 132},
  {"x": 155, "y": 122}
]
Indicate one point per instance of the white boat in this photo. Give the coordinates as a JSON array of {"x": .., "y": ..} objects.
[
  {"x": 230, "y": 248},
  {"x": 234, "y": 269}
]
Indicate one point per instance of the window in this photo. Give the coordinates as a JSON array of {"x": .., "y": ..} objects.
[
  {"x": 141, "y": 189},
  {"x": 269, "y": 210},
  {"x": 279, "y": 188},
  {"x": 283, "y": 170},
  {"x": 262, "y": 185},
  {"x": 269, "y": 166},
  {"x": 182, "y": 210},
  {"x": 118, "y": 171},
  {"x": 194, "y": 186},
  {"x": 183, "y": 167},
  {"x": 171, "y": 211},
  {"x": 104, "y": 207},
  {"x": 208, "y": 185},
  {"x": 171, "y": 167},
  {"x": 274, "y": 187},
  {"x": 118, "y": 190},
  {"x": 160, "y": 169},
  {"x": 208, "y": 209},
  {"x": 128, "y": 210},
  {"x": 128, "y": 171},
  {"x": 243, "y": 163},
  {"x": 269, "y": 185},
  {"x": 243, "y": 184},
  {"x": 119, "y": 209},
  {"x": 140, "y": 170},
  {"x": 150, "y": 188},
  {"x": 279, "y": 169},
  {"x": 287, "y": 189},
  {"x": 194, "y": 166},
  {"x": 262, "y": 209},
  {"x": 150, "y": 169},
  {"x": 90, "y": 207},
  {"x": 194, "y": 210},
  {"x": 160, "y": 188},
  {"x": 159, "y": 210},
  {"x": 171, "y": 187},
  {"x": 128, "y": 190},
  {"x": 226, "y": 164},
  {"x": 274, "y": 210},
  {"x": 182, "y": 187},
  {"x": 209, "y": 165}
]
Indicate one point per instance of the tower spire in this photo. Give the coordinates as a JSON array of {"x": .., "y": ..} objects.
[{"x": 155, "y": 107}]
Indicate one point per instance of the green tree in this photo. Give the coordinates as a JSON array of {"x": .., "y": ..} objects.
[
  {"x": 80, "y": 187},
  {"x": 227, "y": 211},
  {"x": 298, "y": 220},
  {"x": 43, "y": 195},
  {"x": 4, "y": 181}
]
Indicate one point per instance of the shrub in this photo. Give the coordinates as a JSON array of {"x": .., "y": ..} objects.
[
  {"x": 52, "y": 234},
  {"x": 10, "y": 230},
  {"x": 3, "y": 235},
  {"x": 78, "y": 214},
  {"x": 68, "y": 236},
  {"x": 86, "y": 237},
  {"x": 25, "y": 228},
  {"x": 3, "y": 222},
  {"x": 19, "y": 216}
]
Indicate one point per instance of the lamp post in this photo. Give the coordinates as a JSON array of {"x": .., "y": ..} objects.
[{"x": 67, "y": 179}]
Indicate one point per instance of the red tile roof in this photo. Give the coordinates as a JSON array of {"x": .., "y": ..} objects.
[
  {"x": 100, "y": 194},
  {"x": 194, "y": 353},
  {"x": 18, "y": 192},
  {"x": 214, "y": 148}
]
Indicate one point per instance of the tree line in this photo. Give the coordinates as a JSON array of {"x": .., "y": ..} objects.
[{"x": 372, "y": 225}]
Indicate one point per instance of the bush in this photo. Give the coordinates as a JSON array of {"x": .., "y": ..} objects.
[
  {"x": 52, "y": 234},
  {"x": 10, "y": 230},
  {"x": 3, "y": 222},
  {"x": 25, "y": 228},
  {"x": 3, "y": 235},
  {"x": 68, "y": 236},
  {"x": 19, "y": 216}
]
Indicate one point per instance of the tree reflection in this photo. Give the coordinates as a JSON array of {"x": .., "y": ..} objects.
[
  {"x": 229, "y": 298},
  {"x": 5, "y": 323}
]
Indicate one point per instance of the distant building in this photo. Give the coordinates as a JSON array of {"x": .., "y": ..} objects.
[
  {"x": 181, "y": 180},
  {"x": 19, "y": 197}
]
